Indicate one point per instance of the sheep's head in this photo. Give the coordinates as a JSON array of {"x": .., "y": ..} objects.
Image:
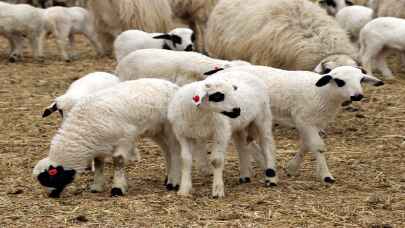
[
  {"x": 179, "y": 39},
  {"x": 333, "y": 61},
  {"x": 54, "y": 177},
  {"x": 347, "y": 82},
  {"x": 217, "y": 96},
  {"x": 51, "y": 109},
  {"x": 333, "y": 6}
]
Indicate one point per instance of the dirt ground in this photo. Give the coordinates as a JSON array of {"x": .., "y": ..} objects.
[{"x": 366, "y": 155}]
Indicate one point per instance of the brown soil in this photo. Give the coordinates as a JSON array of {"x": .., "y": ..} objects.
[{"x": 366, "y": 156}]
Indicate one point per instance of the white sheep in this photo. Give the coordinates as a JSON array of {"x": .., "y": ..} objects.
[
  {"x": 309, "y": 101},
  {"x": 229, "y": 104},
  {"x": 377, "y": 38},
  {"x": 388, "y": 8},
  {"x": 65, "y": 22},
  {"x": 353, "y": 19},
  {"x": 287, "y": 34},
  {"x": 176, "y": 66},
  {"x": 114, "y": 17},
  {"x": 20, "y": 21},
  {"x": 334, "y": 6},
  {"x": 179, "y": 39},
  {"x": 105, "y": 124}
]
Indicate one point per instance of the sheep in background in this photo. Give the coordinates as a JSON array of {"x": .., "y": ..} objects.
[
  {"x": 20, "y": 21},
  {"x": 288, "y": 34},
  {"x": 334, "y": 6},
  {"x": 388, "y": 8},
  {"x": 105, "y": 124},
  {"x": 65, "y": 22},
  {"x": 353, "y": 19},
  {"x": 179, "y": 39},
  {"x": 195, "y": 13},
  {"x": 176, "y": 66},
  {"x": 114, "y": 17}
]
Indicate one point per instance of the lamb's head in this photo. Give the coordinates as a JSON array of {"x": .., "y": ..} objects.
[
  {"x": 333, "y": 6},
  {"x": 331, "y": 62},
  {"x": 179, "y": 39},
  {"x": 217, "y": 96},
  {"x": 53, "y": 177},
  {"x": 63, "y": 104},
  {"x": 345, "y": 83}
]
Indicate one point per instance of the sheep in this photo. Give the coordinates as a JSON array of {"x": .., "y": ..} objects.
[
  {"x": 179, "y": 39},
  {"x": 79, "y": 89},
  {"x": 225, "y": 105},
  {"x": 104, "y": 125},
  {"x": 176, "y": 66},
  {"x": 288, "y": 34},
  {"x": 353, "y": 19},
  {"x": 308, "y": 101},
  {"x": 65, "y": 22},
  {"x": 334, "y": 6},
  {"x": 19, "y": 21},
  {"x": 195, "y": 13},
  {"x": 377, "y": 38},
  {"x": 114, "y": 17},
  {"x": 388, "y": 8}
]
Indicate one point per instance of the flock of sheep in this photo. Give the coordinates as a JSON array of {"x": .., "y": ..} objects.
[{"x": 288, "y": 62}]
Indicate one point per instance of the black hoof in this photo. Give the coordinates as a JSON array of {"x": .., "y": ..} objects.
[
  {"x": 12, "y": 59},
  {"x": 171, "y": 187},
  {"x": 166, "y": 180},
  {"x": 54, "y": 194},
  {"x": 270, "y": 173},
  {"x": 215, "y": 197},
  {"x": 329, "y": 180},
  {"x": 244, "y": 180},
  {"x": 116, "y": 192},
  {"x": 270, "y": 184}
]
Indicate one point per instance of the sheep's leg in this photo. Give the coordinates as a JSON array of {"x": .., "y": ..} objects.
[
  {"x": 106, "y": 40},
  {"x": 295, "y": 163},
  {"x": 160, "y": 140},
  {"x": 201, "y": 158},
  {"x": 187, "y": 162},
  {"x": 92, "y": 37},
  {"x": 99, "y": 179},
  {"x": 239, "y": 140},
  {"x": 218, "y": 159},
  {"x": 62, "y": 41},
  {"x": 120, "y": 157},
  {"x": 199, "y": 43},
  {"x": 369, "y": 54},
  {"x": 37, "y": 46},
  {"x": 382, "y": 65},
  {"x": 403, "y": 59},
  {"x": 17, "y": 45}
]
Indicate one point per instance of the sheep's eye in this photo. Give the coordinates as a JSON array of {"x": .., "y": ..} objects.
[
  {"x": 216, "y": 97},
  {"x": 235, "y": 87},
  {"x": 339, "y": 82}
]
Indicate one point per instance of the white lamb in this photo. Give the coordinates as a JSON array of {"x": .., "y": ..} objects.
[
  {"x": 353, "y": 19},
  {"x": 379, "y": 37},
  {"x": 228, "y": 104},
  {"x": 309, "y": 101},
  {"x": 334, "y": 6},
  {"x": 65, "y": 22},
  {"x": 179, "y": 39},
  {"x": 176, "y": 66},
  {"x": 19, "y": 21},
  {"x": 79, "y": 89},
  {"x": 105, "y": 124}
]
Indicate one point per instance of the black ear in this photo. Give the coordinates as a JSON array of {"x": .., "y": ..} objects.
[
  {"x": 163, "y": 37},
  {"x": 60, "y": 112},
  {"x": 363, "y": 70},
  {"x": 216, "y": 97},
  {"x": 323, "y": 81},
  {"x": 349, "y": 3},
  {"x": 326, "y": 71},
  {"x": 331, "y": 3},
  {"x": 193, "y": 37},
  {"x": 50, "y": 110},
  {"x": 339, "y": 82},
  {"x": 211, "y": 72}
]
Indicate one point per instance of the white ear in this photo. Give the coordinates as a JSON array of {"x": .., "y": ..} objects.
[
  {"x": 200, "y": 95},
  {"x": 318, "y": 69}
]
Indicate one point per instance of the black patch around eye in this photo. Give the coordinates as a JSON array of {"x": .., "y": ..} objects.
[
  {"x": 193, "y": 37},
  {"x": 216, "y": 97},
  {"x": 323, "y": 81},
  {"x": 349, "y": 3},
  {"x": 176, "y": 39},
  {"x": 339, "y": 82}
]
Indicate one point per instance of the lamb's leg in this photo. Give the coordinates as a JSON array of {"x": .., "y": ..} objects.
[
  {"x": 37, "y": 46},
  {"x": 368, "y": 53},
  {"x": 99, "y": 179},
  {"x": 17, "y": 46},
  {"x": 403, "y": 59},
  {"x": 218, "y": 159},
  {"x": 240, "y": 142},
  {"x": 382, "y": 65},
  {"x": 161, "y": 141},
  {"x": 201, "y": 158},
  {"x": 187, "y": 162},
  {"x": 120, "y": 156},
  {"x": 295, "y": 163},
  {"x": 62, "y": 41},
  {"x": 106, "y": 41},
  {"x": 92, "y": 37}
]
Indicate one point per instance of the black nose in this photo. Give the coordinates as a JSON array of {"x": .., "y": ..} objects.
[
  {"x": 357, "y": 97},
  {"x": 236, "y": 111},
  {"x": 234, "y": 114},
  {"x": 189, "y": 48}
]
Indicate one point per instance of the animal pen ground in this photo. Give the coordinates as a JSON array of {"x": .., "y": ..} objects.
[{"x": 365, "y": 154}]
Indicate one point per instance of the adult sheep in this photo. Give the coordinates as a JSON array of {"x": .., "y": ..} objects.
[
  {"x": 388, "y": 8},
  {"x": 114, "y": 17},
  {"x": 288, "y": 34},
  {"x": 195, "y": 13}
]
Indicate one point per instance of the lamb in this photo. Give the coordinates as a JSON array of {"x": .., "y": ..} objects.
[
  {"x": 179, "y": 39},
  {"x": 223, "y": 106},
  {"x": 288, "y": 34},
  {"x": 79, "y": 89},
  {"x": 105, "y": 124},
  {"x": 308, "y": 101},
  {"x": 176, "y": 66},
  {"x": 388, "y": 8},
  {"x": 114, "y": 17},
  {"x": 353, "y": 19},
  {"x": 195, "y": 13},
  {"x": 65, "y": 22},
  {"x": 19, "y": 21},
  {"x": 377, "y": 38},
  {"x": 334, "y": 6}
]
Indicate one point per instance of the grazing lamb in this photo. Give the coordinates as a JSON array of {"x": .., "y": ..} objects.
[
  {"x": 79, "y": 89},
  {"x": 223, "y": 106},
  {"x": 353, "y": 19},
  {"x": 388, "y": 8},
  {"x": 105, "y": 124},
  {"x": 288, "y": 34},
  {"x": 377, "y": 38},
  {"x": 179, "y": 39},
  {"x": 334, "y": 6},
  {"x": 20, "y": 21},
  {"x": 114, "y": 17},
  {"x": 176, "y": 66},
  {"x": 65, "y": 22},
  {"x": 308, "y": 101},
  {"x": 195, "y": 13}
]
